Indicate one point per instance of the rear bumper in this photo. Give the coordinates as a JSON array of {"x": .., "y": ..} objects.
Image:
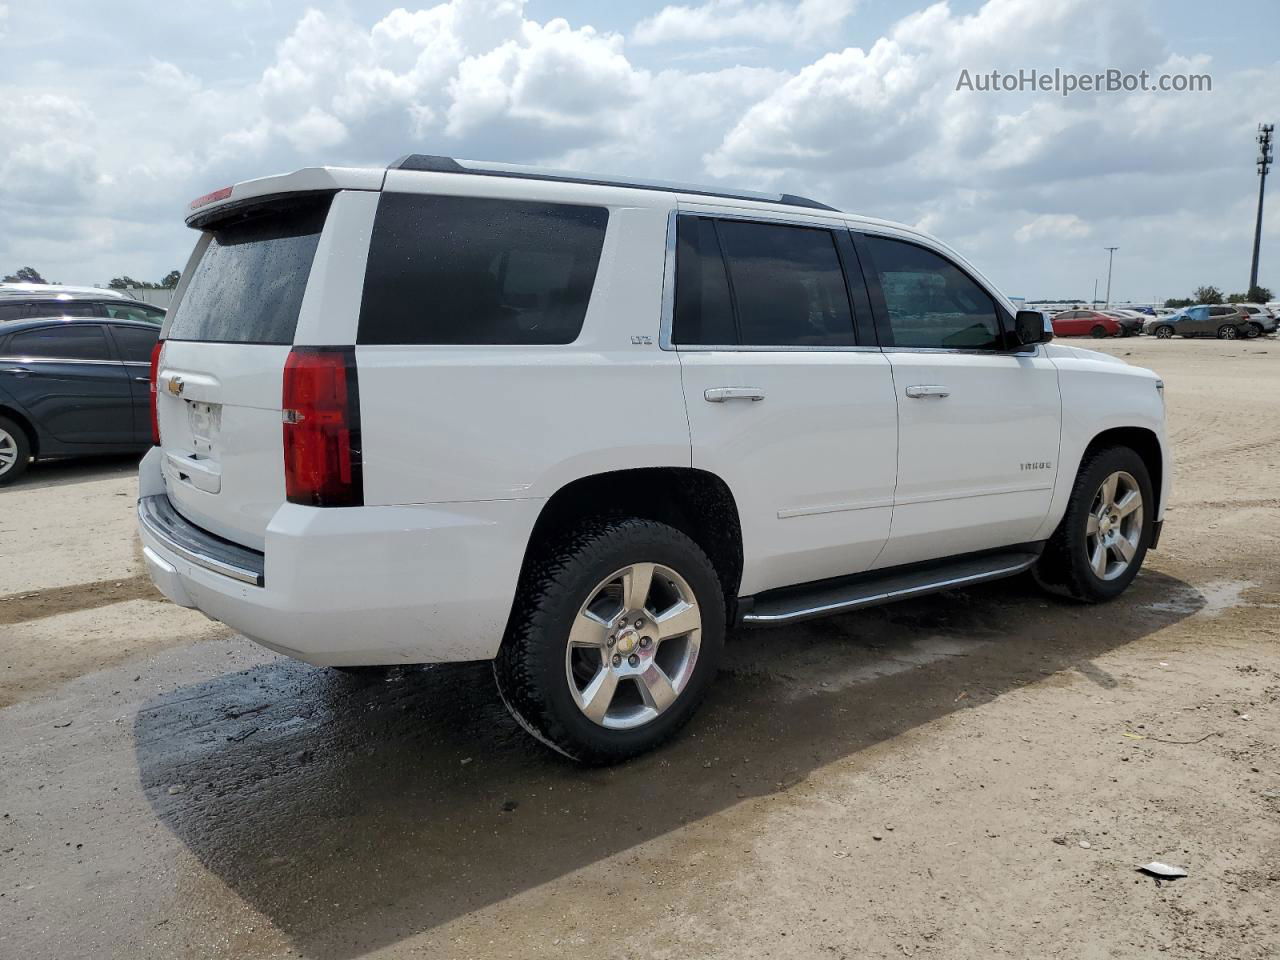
[{"x": 351, "y": 586}]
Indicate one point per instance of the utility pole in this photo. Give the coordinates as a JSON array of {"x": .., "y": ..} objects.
[
  {"x": 1111, "y": 254},
  {"x": 1265, "y": 157},
  {"x": 1093, "y": 304}
]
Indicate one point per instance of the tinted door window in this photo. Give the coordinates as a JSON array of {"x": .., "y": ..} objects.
[
  {"x": 12, "y": 311},
  {"x": 470, "y": 270},
  {"x": 248, "y": 285},
  {"x": 930, "y": 301},
  {"x": 63, "y": 308},
  {"x": 65, "y": 342},
  {"x": 135, "y": 343},
  {"x": 133, "y": 311},
  {"x": 787, "y": 284},
  {"x": 703, "y": 309}
]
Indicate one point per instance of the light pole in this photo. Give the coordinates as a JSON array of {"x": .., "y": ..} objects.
[
  {"x": 1111, "y": 253},
  {"x": 1264, "y": 164},
  {"x": 1093, "y": 304}
]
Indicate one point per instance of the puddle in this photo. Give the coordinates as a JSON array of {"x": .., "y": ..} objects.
[{"x": 1210, "y": 600}]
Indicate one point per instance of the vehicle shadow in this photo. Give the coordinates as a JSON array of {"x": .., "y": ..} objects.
[
  {"x": 58, "y": 473},
  {"x": 356, "y": 811}
]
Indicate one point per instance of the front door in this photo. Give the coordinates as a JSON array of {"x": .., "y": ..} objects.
[
  {"x": 786, "y": 401},
  {"x": 978, "y": 425}
]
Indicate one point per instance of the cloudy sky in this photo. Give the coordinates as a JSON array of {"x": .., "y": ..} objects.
[{"x": 113, "y": 116}]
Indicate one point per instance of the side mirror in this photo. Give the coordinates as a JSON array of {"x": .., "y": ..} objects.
[{"x": 1031, "y": 327}]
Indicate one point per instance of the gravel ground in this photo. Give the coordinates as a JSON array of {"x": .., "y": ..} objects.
[{"x": 971, "y": 775}]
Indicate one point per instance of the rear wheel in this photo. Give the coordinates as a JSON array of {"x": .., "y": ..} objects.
[
  {"x": 616, "y": 633},
  {"x": 1227, "y": 332},
  {"x": 15, "y": 451},
  {"x": 1102, "y": 540},
  {"x": 1098, "y": 332},
  {"x": 1164, "y": 333},
  {"x": 1255, "y": 330}
]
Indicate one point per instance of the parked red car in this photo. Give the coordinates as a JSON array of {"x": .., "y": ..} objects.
[{"x": 1086, "y": 323}]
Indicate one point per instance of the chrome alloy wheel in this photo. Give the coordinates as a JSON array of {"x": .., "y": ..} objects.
[
  {"x": 8, "y": 451},
  {"x": 633, "y": 646},
  {"x": 1114, "y": 527}
]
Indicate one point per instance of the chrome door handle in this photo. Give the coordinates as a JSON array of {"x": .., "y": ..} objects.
[
  {"x": 927, "y": 392},
  {"x": 141, "y": 379},
  {"x": 16, "y": 371},
  {"x": 721, "y": 394}
]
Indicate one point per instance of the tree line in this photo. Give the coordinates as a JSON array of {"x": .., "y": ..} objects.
[
  {"x": 32, "y": 275},
  {"x": 1212, "y": 295}
]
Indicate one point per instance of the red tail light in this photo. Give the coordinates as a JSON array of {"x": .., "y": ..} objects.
[
  {"x": 155, "y": 369},
  {"x": 322, "y": 428}
]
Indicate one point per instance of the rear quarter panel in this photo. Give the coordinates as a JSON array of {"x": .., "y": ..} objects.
[{"x": 491, "y": 422}]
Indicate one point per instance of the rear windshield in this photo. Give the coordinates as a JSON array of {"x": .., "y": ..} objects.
[
  {"x": 469, "y": 270},
  {"x": 248, "y": 286}
]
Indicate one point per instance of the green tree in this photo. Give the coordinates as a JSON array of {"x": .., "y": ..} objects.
[
  {"x": 1258, "y": 294},
  {"x": 120, "y": 283},
  {"x": 1236, "y": 298},
  {"x": 1209, "y": 294},
  {"x": 25, "y": 275},
  {"x": 1176, "y": 303},
  {"x": 170, "y": 279}
]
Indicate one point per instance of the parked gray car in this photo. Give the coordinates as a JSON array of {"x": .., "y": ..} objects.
[{"x": 1227, "y": 322}]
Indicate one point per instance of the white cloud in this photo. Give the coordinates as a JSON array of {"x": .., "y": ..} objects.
[
  {"x": 1053, "y": 226},
  {"x": 771, "y": 21}
]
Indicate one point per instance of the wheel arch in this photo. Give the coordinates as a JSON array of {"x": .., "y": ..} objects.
[
  {"x": 1143, "y": 441},
  {"x": 696, "y": 502},
  {"x": 21, "y": 419}
]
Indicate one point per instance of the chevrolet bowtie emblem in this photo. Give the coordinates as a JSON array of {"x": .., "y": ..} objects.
[{"x": 176, "y": 385}]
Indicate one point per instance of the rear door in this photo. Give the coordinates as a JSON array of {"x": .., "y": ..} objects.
[
  {"x": 134, "y": 343},
  {"x": 789, "y": 399},
  {"x": 220, "y": 379},
  {"x": 69, "y": 379},
  {"x": 978, "y": 425}
]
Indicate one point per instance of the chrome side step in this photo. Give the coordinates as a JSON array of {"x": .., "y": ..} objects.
[{"x": 791, "y": 604}]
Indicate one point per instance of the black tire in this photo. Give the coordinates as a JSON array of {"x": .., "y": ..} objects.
[
  {"x": 1098, "y": 332},
  {"x": 1228, "y": 332},
  {"x": 1164, "y": 332},
  {"x": 530, "y": 668},
  {"x": 1255, "y": 330},
  {"x": 1064, "y": 566},
  {"x": 14, "y": 441}
]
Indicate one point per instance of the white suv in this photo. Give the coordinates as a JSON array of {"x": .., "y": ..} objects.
[{"x": 581, "y": 427}]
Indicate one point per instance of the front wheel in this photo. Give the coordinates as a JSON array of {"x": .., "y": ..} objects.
[
  {"x": 1255, "y": 330},
  {"x": 616, "y": 632},
  {"x": 1102, "y": 540},
  {"x": 1164, "y": 333},
  {"x": 1227, "y": 332}
]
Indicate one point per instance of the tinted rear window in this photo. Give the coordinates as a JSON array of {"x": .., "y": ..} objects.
[
  {"x": 469, "y": 270},
  {"x": 248, "y": 286}
]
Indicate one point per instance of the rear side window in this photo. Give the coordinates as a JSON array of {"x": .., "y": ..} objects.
[
  {"x": 248, "y": 286},
  {"x": 63, "y": 342},
  {"x": 470, "y": 270},
  {"x": 135, "y": 343},
  {"x": 760, "y": 285},
  {"x": 930, "y": 301},
  {"x": 13, "y": 311},
  {"x": 134, "y": 311},
  {"x": 703, "y": 309}
]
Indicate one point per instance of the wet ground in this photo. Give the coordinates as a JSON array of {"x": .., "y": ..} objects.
[{"x": 976, "y": 774}]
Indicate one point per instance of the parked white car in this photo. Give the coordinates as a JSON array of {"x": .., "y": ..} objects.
[{"x": 581, "y": 427}]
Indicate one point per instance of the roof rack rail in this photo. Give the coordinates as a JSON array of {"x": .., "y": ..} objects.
[{"x": 433, "y": 164}]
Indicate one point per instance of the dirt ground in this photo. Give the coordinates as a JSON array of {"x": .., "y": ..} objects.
[{"x": 973, "y": 775}]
